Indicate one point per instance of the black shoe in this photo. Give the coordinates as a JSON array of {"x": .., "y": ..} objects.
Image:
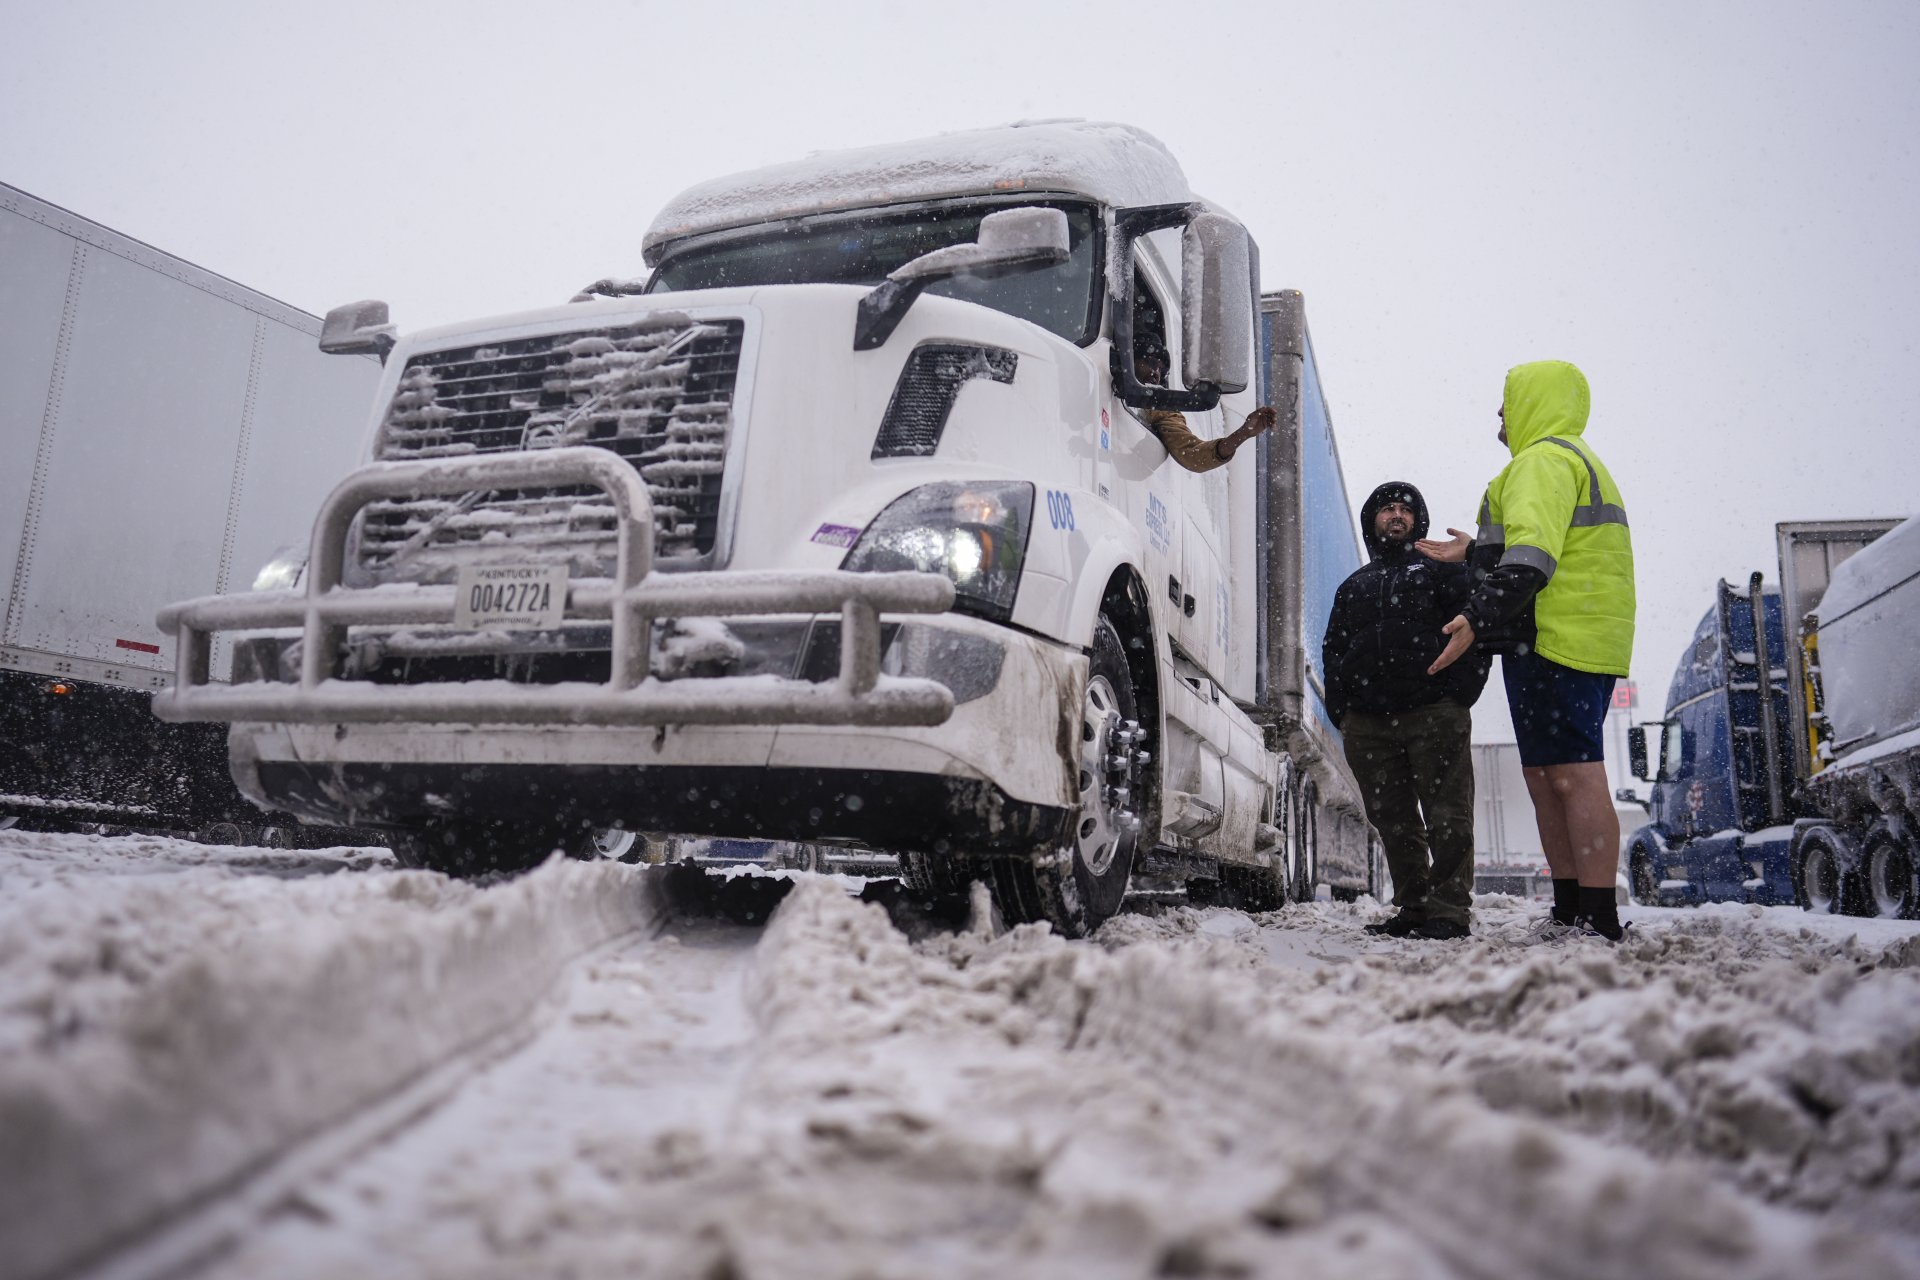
[
  {"x": 1443, "y": 930},
  {"x": 1400, "y": 925}
]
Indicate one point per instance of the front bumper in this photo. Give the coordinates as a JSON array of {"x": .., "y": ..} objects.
[
  {"x": 991, "y": 777},
  {"x": 631, "y": 602}
]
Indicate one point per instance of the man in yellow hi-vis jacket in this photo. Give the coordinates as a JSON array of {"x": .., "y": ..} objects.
[{"x": 1553, "y": 541}]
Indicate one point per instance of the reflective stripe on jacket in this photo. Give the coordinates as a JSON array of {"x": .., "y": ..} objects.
[{"x": 1556, "y": 508}]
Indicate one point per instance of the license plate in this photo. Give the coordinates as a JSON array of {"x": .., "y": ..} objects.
[{"x": 528, "y": 597}]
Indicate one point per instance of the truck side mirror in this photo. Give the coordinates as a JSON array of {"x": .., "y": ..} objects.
[
  {"x": 1009, "y": 241},
  {"x": 1216, "y": 304},
  {"x": 358, "y": 329},
  {"x": 1219, "y": 281},
  {"x": 1637, "y": 753}
]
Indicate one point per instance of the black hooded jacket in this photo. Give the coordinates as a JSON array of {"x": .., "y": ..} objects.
[{"x": 1385, "y": 629}]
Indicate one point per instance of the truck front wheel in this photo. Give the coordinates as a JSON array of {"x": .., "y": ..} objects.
[
  {"x": 1892, "y": 888},
  {"x": 1078, "y": 883}
]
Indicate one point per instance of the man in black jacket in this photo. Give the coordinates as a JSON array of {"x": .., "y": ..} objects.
[{"x": 1407, "y": 733}]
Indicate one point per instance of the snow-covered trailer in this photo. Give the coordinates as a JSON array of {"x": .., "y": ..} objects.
[
  {"x": 164, "y": 432},
  {"x": 1863, "y": 852},
  {"x": 843, "y": 525}
]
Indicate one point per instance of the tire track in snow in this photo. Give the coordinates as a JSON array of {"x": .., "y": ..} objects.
[
  {"x": 835, "y": 1100},
  {"x": 166, "y": 1035}
]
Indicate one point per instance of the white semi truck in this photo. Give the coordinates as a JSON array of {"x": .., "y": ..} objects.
[
  {"x": 843, "y": 525},
  {"x": 163, "y": 431}
]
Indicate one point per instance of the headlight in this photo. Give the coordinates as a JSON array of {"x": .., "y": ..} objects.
[
  {"x": 975, "y": 534},
  {"x": 282, "y": 573}
]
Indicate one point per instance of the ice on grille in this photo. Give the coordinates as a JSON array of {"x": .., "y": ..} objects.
[{"x": 659, "y": 395}]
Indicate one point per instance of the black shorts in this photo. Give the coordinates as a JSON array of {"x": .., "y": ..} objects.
[{"x": 1557, "y": 712}]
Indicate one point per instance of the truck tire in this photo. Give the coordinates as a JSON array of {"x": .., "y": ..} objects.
[
  {"x": 1820, "y": 871},
  {"x": 613, "y": 844},
  {"x": 468, "y": 849},
  {"x": 1307, "y": 859},
  {"x": 934, "y": 876},
  {"x": 1076, "y": 885},
  {"x": 1640, "y": 878},
  {"x": 1892, "y": 879}
]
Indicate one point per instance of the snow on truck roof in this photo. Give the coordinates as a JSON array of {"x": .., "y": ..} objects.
[{"x": 1116, "y": 164}]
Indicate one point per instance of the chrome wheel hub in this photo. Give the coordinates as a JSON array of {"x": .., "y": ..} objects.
[
  {"x": 613, "y": 842},
  {"x": 1111, "y": 765}
]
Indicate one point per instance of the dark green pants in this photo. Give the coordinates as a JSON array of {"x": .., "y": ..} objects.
[{"x": 1415, "y": 770}]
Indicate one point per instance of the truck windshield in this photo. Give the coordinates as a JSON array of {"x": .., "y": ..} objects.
[{"x": 862, "y": 247}]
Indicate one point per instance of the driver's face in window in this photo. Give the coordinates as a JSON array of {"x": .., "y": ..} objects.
[{"x": 1150, "y": 366}]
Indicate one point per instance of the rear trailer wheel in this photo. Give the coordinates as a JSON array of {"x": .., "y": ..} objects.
[
  {"x": 1892, "y": 890},
  {"x": 1819, "y": 873},
  {"x": 803, "y": 857},
  {"x": 1077, "y": 885},
  {"x": 469, "y": 849}
]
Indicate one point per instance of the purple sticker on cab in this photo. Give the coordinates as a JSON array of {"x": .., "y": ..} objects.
[{"x": 836, "y": 535}]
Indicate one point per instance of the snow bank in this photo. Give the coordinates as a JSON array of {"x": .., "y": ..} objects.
[
  {"x": 1781, "y": 1050},
  {"x": 169, "y": 1021},
  {"x": 1162, "y": 1101}
]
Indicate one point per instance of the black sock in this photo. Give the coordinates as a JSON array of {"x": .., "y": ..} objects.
[
  {"x": 1597, "y": 905},
  {"x": 1566, "y": 900}
]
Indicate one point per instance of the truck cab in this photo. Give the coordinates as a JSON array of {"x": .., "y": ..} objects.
[
  {"x": 1721, "y": 765},
  {"x": 845, "y": 524}
]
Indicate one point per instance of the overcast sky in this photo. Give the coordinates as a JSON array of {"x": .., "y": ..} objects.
[{"x": 1713, "y": 209}]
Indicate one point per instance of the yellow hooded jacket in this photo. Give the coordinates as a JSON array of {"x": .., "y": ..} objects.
[{"x": 1555, "y": 508}]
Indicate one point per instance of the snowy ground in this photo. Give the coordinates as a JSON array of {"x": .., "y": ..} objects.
[{"x": 313, "y": 1064}]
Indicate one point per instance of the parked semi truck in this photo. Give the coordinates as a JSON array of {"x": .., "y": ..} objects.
[
  {"x": 843, "y": 525},
  {"x": 1787, "y": 767},
  {"x": 164, "y": 430}
]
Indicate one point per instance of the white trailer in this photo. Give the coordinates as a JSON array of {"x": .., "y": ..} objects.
[
  {"x": 163, "y": 432},
  {"x": 845, "y": 525}
]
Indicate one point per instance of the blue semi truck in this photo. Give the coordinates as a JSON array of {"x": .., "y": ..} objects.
[{"x": 1786, "y": 768}]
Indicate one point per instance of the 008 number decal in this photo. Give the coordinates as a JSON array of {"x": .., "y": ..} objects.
[{"x": 1059, "y": 509}]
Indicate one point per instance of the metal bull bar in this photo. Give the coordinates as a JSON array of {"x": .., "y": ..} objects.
[{"x": 633, "y": 599}]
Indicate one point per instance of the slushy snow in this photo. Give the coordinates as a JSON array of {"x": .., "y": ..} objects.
[{"x": 1733, "y": 1091}]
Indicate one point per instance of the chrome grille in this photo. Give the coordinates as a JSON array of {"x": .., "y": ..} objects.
[{"x": 659, "y": 394}]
